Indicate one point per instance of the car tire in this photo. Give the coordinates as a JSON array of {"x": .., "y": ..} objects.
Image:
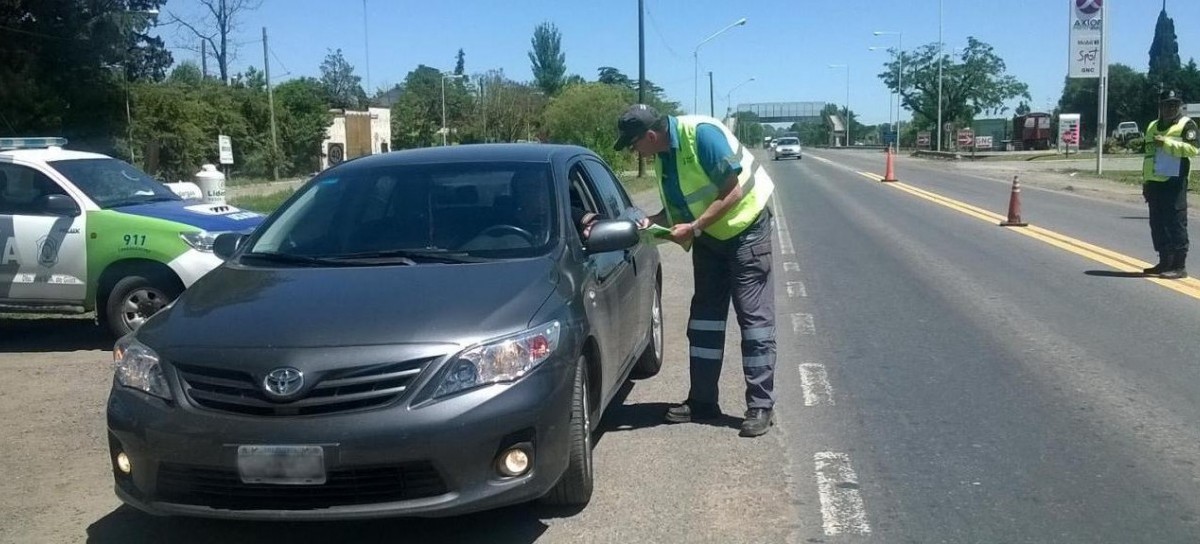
[
  {"x": 134, "y": 299},
  {"x": 574, "y": 487},
  {"x": 650, "y": 362}
]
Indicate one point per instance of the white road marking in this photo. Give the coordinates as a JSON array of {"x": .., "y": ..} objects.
[
  {"x": 796, "y": 289},
  {"x": 815, "y": 382},
  {"x": 785, "y": 234},
  {"x": 803, "y": 324},
  {"x": 791, "y": 267},
  {"x": 842, "y": 509}
]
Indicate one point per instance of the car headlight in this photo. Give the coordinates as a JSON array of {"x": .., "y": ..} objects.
[
  {"x": 137, "y": 367},
  {"x": 200, "y": 240},
  {"x": 503, "y": 359}
]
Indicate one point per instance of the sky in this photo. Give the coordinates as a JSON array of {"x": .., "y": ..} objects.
[{"x": 786, "y": 45}]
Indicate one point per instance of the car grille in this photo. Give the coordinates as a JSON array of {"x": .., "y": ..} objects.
[
  {"x": 342, "y": 390},
  {"x": 223, "y": 489}
]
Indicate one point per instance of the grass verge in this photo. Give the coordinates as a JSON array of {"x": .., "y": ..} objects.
[
  {"x": 262, "y": 203},
  {"x": 1132, "y": 177}
]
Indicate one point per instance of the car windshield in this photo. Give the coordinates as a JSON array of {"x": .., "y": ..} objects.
[
  {"x": 789, "y": 141},
  {"x": 112, "y": 183},
  {"x": 422, "y": 212}
]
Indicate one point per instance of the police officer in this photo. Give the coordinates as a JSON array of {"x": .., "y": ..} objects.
[
  {"x": 1171, "y": 143},
  {"x": 715, "y": 202}
]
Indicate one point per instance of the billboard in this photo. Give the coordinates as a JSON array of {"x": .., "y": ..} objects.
[{"x": 1086, "y": 38}]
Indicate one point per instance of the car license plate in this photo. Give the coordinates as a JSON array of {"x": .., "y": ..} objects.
[{"x": 284, "y": 465}]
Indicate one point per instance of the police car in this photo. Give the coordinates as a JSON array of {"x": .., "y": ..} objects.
[{"x": 83, "y": 231}]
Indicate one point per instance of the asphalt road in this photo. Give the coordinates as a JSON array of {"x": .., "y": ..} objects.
[
  {"x": 990, "y": 386},
  {"x": 941, "y": 379}
]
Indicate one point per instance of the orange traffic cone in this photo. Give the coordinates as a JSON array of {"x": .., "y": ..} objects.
[
  {"x": 1014, "y": 206},
  {"x": 890, "y": 174}
]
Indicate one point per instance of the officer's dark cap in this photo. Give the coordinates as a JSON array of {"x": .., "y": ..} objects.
[
  {"x": 635, "y": 122},
  {"x": 1170, "y": 95}
]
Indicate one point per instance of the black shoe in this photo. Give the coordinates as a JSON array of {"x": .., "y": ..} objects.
[
  {"x": 1178, "y": 267},
  {"x": 1164, "y": 259},
  {"x": 758, "y": 421},
  {"x": 691, "y": 410}
]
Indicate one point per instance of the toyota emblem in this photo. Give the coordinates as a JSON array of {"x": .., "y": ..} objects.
[{"x": 283, "y": 382}]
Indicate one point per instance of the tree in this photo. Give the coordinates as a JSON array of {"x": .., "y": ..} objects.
[
  {"x": 612, "y": 76},
  {"x": 748, "y": 128},
  {"x": 508, "y": 110},
  {"x": 972, "y": 84},
  {"x": 1164, "y": 52},
  {"x": 1130, "y": 98},
  {"x": 417, "y": 114},
  {"x": 460, "y": 63},
  {"x": 1023, "y": 108},
  {"x": 65, "y": 67},
  {"x": 342, "y": 87},
  {"x": 586, "y": 115},
  {"x": 304, "y": 119},
  {"x": 215, "y": 23},
  {"x": 548, "y": 60}
]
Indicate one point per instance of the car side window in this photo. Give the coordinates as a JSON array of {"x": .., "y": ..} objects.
[
  {"x": 22, "y": 189},
  {"x": 607, "y": 187}
]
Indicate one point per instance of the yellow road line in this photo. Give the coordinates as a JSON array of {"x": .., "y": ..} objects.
[{"x": 1105, "y": 256}]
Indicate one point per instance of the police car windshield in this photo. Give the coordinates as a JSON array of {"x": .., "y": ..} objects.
[
  {"x": 112, "y": 183},
  {"x": 468, "y": 210}
]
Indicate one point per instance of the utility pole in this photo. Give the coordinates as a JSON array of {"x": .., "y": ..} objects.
[
  {"x": 271, "y": 106},
  {"x": 203, "y": 59},
  {"x": 711, "y": 112},
  {"x": 940, "y": 57},
  {"x": 367, "y": 46},
  {"x": 641, "y": 71},
  {"x": 1102, "y": 106}
]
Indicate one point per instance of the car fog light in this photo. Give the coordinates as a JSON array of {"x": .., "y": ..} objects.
[
  {"x": 123, "y": 463},
  {"x": 514, "y": 462}
]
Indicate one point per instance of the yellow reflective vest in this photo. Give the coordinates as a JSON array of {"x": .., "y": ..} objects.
[
  {"x": 1176, "y": 145},
  {"x": 699, "y": 192}
]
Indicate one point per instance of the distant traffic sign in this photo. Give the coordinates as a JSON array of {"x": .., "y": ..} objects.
[
  {"x": 225, "y": 147},
  {"x": 923, "y": 139},
  {"x": 983, "y": 142},
  {"x": 965, "y": 137}
]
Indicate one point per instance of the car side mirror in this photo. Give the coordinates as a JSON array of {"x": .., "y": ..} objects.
[
  {"x": 60, "y": 205},
  {"x": 612, "y": 235},
  {"x": 227, "y": 244}
]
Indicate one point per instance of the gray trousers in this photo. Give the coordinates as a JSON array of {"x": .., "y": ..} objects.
[{"x": 737, "y": 269}]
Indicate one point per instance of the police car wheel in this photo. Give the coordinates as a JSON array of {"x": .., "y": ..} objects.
[
  {"x": 133, "y": 300},
  {"x": 574, "y": 487}
]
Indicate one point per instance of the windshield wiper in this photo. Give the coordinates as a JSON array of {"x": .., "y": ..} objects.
[
  {"x": 412, "y": 256},
  {"x": 297, "y": 259},
  {"x": 140, "y": 200}
]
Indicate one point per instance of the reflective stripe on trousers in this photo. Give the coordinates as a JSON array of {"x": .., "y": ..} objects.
[{"x": 737, "y": 270}]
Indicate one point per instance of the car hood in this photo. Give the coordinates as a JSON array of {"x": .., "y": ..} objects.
[
  {"x": 237, "y": 306},
  {"x": 209, "y": 217}
]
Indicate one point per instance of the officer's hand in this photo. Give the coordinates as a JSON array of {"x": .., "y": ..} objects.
[
  {"x": 681, "y": 233},
  {"x": 1159, "y": 139}
]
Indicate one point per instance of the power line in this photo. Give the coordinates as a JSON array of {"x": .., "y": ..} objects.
[{"x": 654, "y": 25}]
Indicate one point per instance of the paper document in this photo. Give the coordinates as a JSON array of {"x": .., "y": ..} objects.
[
  {"x": 658, "y": 234},
  {"x": 1165, "y": 164}
]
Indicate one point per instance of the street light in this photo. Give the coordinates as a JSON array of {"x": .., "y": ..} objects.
[
  {"x": 899, "y": 79},
  {"x": 696, "y": 63},
  {"x": 446, "y": 76},
  {"x": 728, "y": 100},
  {"x": 890, "y": 98},
  {"x": 847, "y": 68}
]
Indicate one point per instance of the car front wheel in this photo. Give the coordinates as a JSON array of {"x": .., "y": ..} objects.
[
  {"x": 133, "y": 300},
  {"x": 574, "y": 488}
]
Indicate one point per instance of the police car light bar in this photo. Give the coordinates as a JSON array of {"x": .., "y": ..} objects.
[{"x": 32, "y": 143}]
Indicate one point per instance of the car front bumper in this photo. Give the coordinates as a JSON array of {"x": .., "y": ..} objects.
[{"x": 429, "y": 461}]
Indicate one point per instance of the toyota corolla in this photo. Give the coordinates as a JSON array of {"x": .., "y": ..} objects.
[{"x": 418, "y": 333}]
